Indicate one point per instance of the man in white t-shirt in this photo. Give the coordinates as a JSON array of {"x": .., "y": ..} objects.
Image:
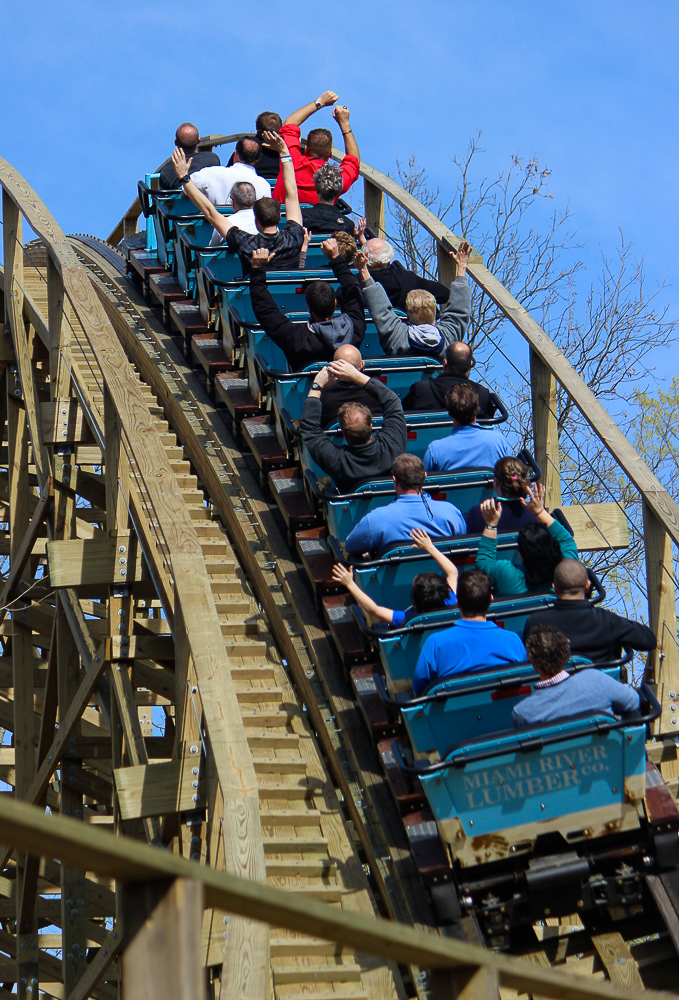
[
  {"x": 216, "y": 182},
  {"x": 243, "y": 198}
]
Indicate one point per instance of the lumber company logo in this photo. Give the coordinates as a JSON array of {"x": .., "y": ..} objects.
[{"x": 524, "y": 779}]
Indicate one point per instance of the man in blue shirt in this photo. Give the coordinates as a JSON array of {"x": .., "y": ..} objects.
[
  {"x": 468, "y": 446},
  {"x": 472, "y": 643},
  {"x": 559, "y": 694},
  {"x": 411, "y": 509}
]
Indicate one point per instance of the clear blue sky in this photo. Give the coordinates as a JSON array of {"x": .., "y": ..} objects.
[{"x": 98, "y": 88}]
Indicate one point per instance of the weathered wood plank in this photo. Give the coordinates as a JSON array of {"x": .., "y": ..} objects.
[
  {"x": 83, "y": 562},
  {"x": 160, "y": 789}
]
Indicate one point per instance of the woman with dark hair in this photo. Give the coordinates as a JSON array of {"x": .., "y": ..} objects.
[
  {"x": 512, "y": 478},
  {"x": 542, "y": 546}
]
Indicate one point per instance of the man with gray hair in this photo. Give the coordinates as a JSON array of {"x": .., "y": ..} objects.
[
  {"x": 243, "y": 197},
  {"x": 326, "y": 216},
  {"x": 186, "y": 137},
  {"x": 396, "y": 280}
]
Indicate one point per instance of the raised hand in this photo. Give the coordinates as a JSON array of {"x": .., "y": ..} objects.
[
  {"x": 342, "y": 574},
  {"x": 261, "y": 257},
  {"x": 362, "y": 265},
  {"x": 346, "y": 372},
  {"x": 461, "y": 257},
  {"x": 181, "y": 164},
  {"x": 491, "y": 511},
  {"x": 421, "y": 540},
  {"x": 306, "y": 241},
  {"x": 341, "y": 114},
  {"x": 272, "y": 140},
  {"x": 359, "y": 230},
  {"x": 327, "y": 98},
  {"x": 535, "y": 501},
  {"x": 330, "y": 248}
]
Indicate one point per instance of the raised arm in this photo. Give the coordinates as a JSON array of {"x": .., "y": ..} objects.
[
  {"x": 341, "y": 115},
  {"x": 422, "y": 540},
  {"x": 327, "y": 99},
  {"x": 272, "y": 140},
  {"x": 202, "y": 203},
  {"x": 391, "y": 329},
  {"x": 345, "y": 577},
  {"x": 457, "y": 310}
]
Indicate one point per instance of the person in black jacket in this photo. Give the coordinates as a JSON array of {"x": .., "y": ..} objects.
[
  {"x": 366, "y": 455},
  {"x": 596, "y": 633},
  {"x": 336, "y": 392},
  {"x": 325, "y": 216},
  {"x": 268, "y": 165},
  {"x": 318, "y": 339},
  {"x": 430, "y": 393},
  {"x": 186, "y": 138},
  {"x": 396, "y": 280}
]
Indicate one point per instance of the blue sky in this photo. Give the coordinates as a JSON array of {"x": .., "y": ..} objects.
[{"x": 98, "y": 89}]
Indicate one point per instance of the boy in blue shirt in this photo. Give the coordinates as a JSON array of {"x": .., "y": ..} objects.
[
  {"x": 468, "y": 446},
  {"x": 472, "y": 643}
]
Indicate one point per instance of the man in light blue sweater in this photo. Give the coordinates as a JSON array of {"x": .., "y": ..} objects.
[
  {"x": 420, "y": 335},
  {"x": 411, "y": 509},
  {"x": 468, "y": 446},
  {"x": 558, "y": 694}
]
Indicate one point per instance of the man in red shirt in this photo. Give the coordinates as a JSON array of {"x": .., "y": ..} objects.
[{"x": 318, "y": 149}]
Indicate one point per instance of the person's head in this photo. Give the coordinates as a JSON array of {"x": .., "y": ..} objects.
[
  {"x": 511, "y": 478},
  {"x": 347, "y": 352},
  {"x": 267, "y": 212},
  {"x": 458, "y": 359},
  {"x": 243, "y": 195},
  {"x": 356, "y": 423},
  {"x": 463, "y": 403},
  {"x": 346, "y": 244},
  {"x": 570, "y": 580},
  {"x": 548, "y": 650},
  {"x": 429, "y": 592},
  {"x": 268, "y": 121},
  {"x": 409, "y": 474},
  {"x": 186, "y": 137},
  {"x": 320, "y": 299},
  {"x": 319, "y": 143},
  {"x": 540, "y": 554},
  {"x": 474, "y": 593},
  {"x": 378, "y": 254},
  {"x": 420, "y": 307},
  {"x": 328, "y": 182},
  {"x": 248, "y": 150}
]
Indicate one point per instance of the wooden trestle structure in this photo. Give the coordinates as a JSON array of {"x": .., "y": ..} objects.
[{"x": 227, "y": 850}]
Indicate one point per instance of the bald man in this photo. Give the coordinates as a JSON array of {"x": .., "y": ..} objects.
[
  {"x": 186, "y": 138},
  {"x": 596, "y": 633},
  {"x": 430, "y": 393},
  {"x": 396, "y": 280},
  {"x": 337, "y": 392}
]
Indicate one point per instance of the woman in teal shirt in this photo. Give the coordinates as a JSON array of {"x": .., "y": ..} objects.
[{"x": 541, "y": 547}]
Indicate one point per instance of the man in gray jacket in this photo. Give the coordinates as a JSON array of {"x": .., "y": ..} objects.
[
  {"x": 367, "y": 454},
  {"x": 421, "y": 334}
]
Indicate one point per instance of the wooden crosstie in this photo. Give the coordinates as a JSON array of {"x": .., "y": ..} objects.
[{"x": 207, "y": 851}]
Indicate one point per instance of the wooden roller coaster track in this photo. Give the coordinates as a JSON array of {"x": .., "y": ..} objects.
[{"x": 245, "y": 845}]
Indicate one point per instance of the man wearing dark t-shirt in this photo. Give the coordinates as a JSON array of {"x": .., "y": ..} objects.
[
  {"x": 282, "y": 245},
  {"x": 268, "y": 165},
  {"x": 430, "y": 393},
  {"x": 337, "y": 392},
  {"x": 186, "y": 138}
]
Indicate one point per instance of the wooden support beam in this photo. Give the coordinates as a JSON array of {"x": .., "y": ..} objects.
[
  {"x": 472, "y": 983},
  {"x": 598, "y": 526},
  {"x": 663, "y": 662},
  {"x": 62, "y": 421},
  {"x": 98, "y": 966},
  {"x": 128, "y": 860},
  {"x": 92, "y": 562},
  {"x": 19, "y": 556},
  {"x": 374, "y": 209},
  {"x": 161, "y": 789},
  {"x": 162, "y": 945},
  {"x": 545, "y": 428}
]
